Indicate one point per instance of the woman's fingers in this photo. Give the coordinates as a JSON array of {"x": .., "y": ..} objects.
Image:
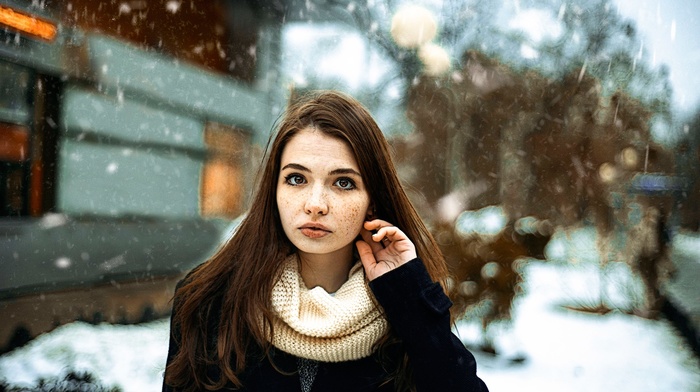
[
  {"x": 386, "y": 234},
  {"x": 384, "y": 250},
  {"x": 376, "y": 224},
  {"x": 384, "y": 231},
  {"x": 374, "y": 268},
  {"x": 366, "y": 256},
  {"x": 369, "y": 239}
]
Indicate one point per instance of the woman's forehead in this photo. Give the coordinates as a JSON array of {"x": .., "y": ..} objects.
[{"x": 311, "y": 144}]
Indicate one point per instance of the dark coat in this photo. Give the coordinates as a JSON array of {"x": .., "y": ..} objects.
[{"x": 417, "y": 310}]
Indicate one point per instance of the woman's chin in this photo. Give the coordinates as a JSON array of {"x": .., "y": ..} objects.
[{"x": 321, "y": 247}]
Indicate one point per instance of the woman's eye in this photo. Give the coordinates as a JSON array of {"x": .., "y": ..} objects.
[
  {"x": 345, "y": 183},
  {"x": 294, "y": 179}
]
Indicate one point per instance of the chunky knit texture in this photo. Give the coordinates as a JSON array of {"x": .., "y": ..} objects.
[{"x": 329, "y": 328}]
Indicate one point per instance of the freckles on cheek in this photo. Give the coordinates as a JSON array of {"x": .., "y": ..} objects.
[{"x": 354, "y": 218}]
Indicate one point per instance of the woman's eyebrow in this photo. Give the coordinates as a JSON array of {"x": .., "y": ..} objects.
[
  {"x": 344, "y": 171},
  {"x": 333, "y": 172},
  {"x": 296, "y": 166}
]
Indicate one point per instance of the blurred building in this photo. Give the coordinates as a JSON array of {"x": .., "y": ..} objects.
[{"x": 127, "y": 139}]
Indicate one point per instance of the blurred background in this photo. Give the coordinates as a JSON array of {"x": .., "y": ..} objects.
[{"x": 552, "y": 147}]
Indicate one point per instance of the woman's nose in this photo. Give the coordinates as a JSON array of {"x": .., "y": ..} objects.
[{"x": 316, "y": 202}]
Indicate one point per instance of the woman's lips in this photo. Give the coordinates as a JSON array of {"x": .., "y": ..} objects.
[{"x": 314, "y": 230}]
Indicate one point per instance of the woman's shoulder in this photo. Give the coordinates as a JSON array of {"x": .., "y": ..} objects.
[
  {"x": 211, "y": 302},
  {"x": 186, "y": 278}
]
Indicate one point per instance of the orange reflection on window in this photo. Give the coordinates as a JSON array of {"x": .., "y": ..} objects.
[
  {"x": 14, "y": 143},
  {"x": 225, "y": 173},
  {"x": 27, "y": 23}
]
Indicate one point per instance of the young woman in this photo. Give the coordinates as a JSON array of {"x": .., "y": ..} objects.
[{"x": 331, "y": 282}]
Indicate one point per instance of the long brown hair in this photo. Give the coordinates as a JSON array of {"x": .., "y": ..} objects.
[{"x": 240, "y": 276}]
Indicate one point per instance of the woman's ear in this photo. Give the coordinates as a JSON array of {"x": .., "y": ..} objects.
[{"x": 370, "y": 213}]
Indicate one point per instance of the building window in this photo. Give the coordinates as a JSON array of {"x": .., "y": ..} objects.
[
  {"x": 225, "y": 177},
  {"x": 28, "y": 112}
]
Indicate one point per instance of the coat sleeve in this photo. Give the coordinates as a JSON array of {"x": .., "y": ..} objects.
[{"x": 418, "y": 311}]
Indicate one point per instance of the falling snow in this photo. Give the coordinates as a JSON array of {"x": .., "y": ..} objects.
[{"x": 173, "y": 6}]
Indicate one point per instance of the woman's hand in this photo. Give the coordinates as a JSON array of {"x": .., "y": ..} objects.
[{"x": 385, "y": 250}]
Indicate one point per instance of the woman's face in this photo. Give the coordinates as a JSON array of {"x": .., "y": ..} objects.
[{"x": 321, "y": 198}]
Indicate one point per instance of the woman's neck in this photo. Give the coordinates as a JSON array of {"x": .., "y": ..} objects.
[{"x": 328, "y": 271}]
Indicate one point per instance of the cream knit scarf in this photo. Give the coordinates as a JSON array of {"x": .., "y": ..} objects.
[{"x": 329, "y": 328}]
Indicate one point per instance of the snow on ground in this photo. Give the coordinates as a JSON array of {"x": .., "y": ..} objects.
[
  {"x": 131, "y": 357},
  {"x": 687, "y": 243},
  {"x": 576, "y": 351},
  {"x": 566, "y": 350}
]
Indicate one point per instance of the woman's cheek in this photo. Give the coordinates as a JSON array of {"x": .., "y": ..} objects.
[
  {"x": 284, "y": 206},
  {"x": 356, "y": 213}
]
